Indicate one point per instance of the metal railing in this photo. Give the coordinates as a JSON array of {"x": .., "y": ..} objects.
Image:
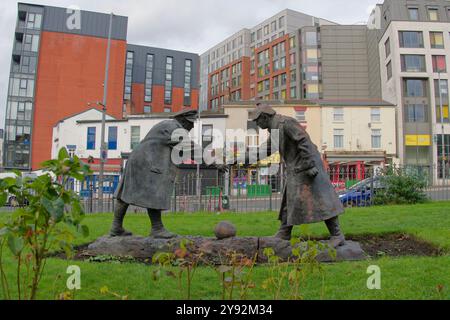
[{"x": 249, "y": 193}]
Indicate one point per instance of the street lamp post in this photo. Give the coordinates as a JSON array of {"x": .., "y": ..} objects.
[
  {"x": 103, "y": 148},
  {"x": 442, "y": 127},
  {"x": 199, "y": 133}
]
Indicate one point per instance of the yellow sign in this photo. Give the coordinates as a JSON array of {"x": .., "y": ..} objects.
[
  {"x": 418, "y": 140},
  {"x": 274, "y": 158}
]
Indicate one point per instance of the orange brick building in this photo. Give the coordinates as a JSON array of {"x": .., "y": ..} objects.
[{"x": 58, "y": 68}]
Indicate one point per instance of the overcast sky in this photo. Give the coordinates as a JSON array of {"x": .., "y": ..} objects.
[{"x": 187, "y": 25}]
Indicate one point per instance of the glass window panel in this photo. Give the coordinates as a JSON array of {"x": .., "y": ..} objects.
[
  {"x": 437, "y": 40},
  {"x": 311, "y": 38},
  {"x": 413, "y": 63},
  {"x": 91, "y": 138},
  {"x": 112, "y": 138},
  {"x": 411, "y": 39},
  {"x": 35, "y": 43},
  {"x": 433, "y": 14},
  {"x": 439, "y": 64},
  {"x": 413, "y": 14}
]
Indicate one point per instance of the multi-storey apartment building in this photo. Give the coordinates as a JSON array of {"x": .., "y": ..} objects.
[
  {"x": 58, "y": 67},
  {"x": 293, "y": 56},
  {"x": 414, "y": 44},
  {"x": 243, "y": 66}
]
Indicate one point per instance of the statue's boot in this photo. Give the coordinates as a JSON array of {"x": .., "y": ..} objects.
[
  {"x": 337, "y": 236},
  {"x": 117, "y": 229},
  {"x": 158, "y": 231},
  {"x": 284, "y": 232}
]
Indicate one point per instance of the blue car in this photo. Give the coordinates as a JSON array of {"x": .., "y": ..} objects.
[{"x": 360, "y": 194}]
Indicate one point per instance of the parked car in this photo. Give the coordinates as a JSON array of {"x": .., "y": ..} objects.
[{"x": 360, "y": 194}]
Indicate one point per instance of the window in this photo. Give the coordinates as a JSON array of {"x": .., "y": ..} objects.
[
  {"x": 312, "y": 55},
  {"x": 292, "y": 42},
  {"x": 338, "y": 114},
  {"x": 259, "y": 34},
  {"x": 148, "y": 78},
  {"x": 375, "y": 115},
  {"x": 128, "y": 75},
  {"x": 19, "y": 87},
  {"x": 443, "y": 149},
  {"x": 413, "y": 63},
  {"x": 338, "y": 138},
  {"x": 437, "y": 40},
  {"x": 28, "y": 64},
  {"x": 414, "y": 88},
  {"x": 293, "y": 92},
  {"x": 167, "y": 109},
  {"x": 187, "y": 82},
  {"x": 266, "y": 30},
  {"x": 415, "y": 113},
  {"x": 389, "y": 70},
  {"x": 413, "y": 14},
  {"x": 112, "y": 138},
  {"x": 31, "y": 42},
  {"x": 276, "y": 95},
  {"x": 311, "y": 91},
  {"x": 311, "y": 38},
  {"x": 283, "y": 79},
  {"x": 376, "y": 139},
  {"x": 147, "y": 109},
  {"x": 283, "y": 62},
  {"x": 135, "y": 136},
  {"x": 411, "y": 39},
  {"x": 444, "y": 93},
  {"x": 387, "y": 47},
  {"x": 439, "y": 64},
  {"x": 34, "y": 21},
  {"x": 168, "y": 81},
  {"x": 281, "y": 22},
  {"x": 90, "y": 138},
  {"x": 273, "y": 26},
  {"x": 275, "y": 82},
  {"x": 433, "y": 14},
  {"x": 300, "y": 115}
]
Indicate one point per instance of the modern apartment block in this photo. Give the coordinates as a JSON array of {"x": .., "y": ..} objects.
[
  {"x": 233, "y": 69},
  {"x": 414, "y": 44},
  {"x": 293, "y": 56},
  {"x": 58, "y": 67}
]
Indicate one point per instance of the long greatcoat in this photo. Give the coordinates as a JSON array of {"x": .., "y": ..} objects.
[
  {"x": 305, "y": 200},
  {"x": 149, "y": 175}
]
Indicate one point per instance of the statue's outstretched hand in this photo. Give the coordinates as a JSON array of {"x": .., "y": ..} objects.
[
  {"x": 222, "y": 168},
  {"x": 312, "y": 173}
]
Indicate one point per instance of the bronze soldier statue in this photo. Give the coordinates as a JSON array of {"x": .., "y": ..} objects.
[
  {"x": 149, "y": 176},
  {"x": 308, "y": 194}
]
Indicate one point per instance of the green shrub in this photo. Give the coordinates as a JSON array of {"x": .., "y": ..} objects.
[{"x": 401, "y": 187}]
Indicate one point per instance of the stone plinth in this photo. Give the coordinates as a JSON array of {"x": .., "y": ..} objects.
[{"x": 212, "y": 250}]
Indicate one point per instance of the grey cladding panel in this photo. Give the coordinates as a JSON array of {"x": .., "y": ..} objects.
[
  {"x": 92, "y": 23},
  {"x": 159, "y": 65}
]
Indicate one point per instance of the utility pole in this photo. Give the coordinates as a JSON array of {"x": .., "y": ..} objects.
[
  {"x": 103, "y": 147},
  {"x": 199, "y": 133},
  {"x": 442, "y": 127}
]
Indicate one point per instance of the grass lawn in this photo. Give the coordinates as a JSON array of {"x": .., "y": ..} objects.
[{"x": 401, "y": 278}]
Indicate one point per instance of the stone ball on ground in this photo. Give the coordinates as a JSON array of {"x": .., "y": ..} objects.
[{"x": 225, "y": 229}]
